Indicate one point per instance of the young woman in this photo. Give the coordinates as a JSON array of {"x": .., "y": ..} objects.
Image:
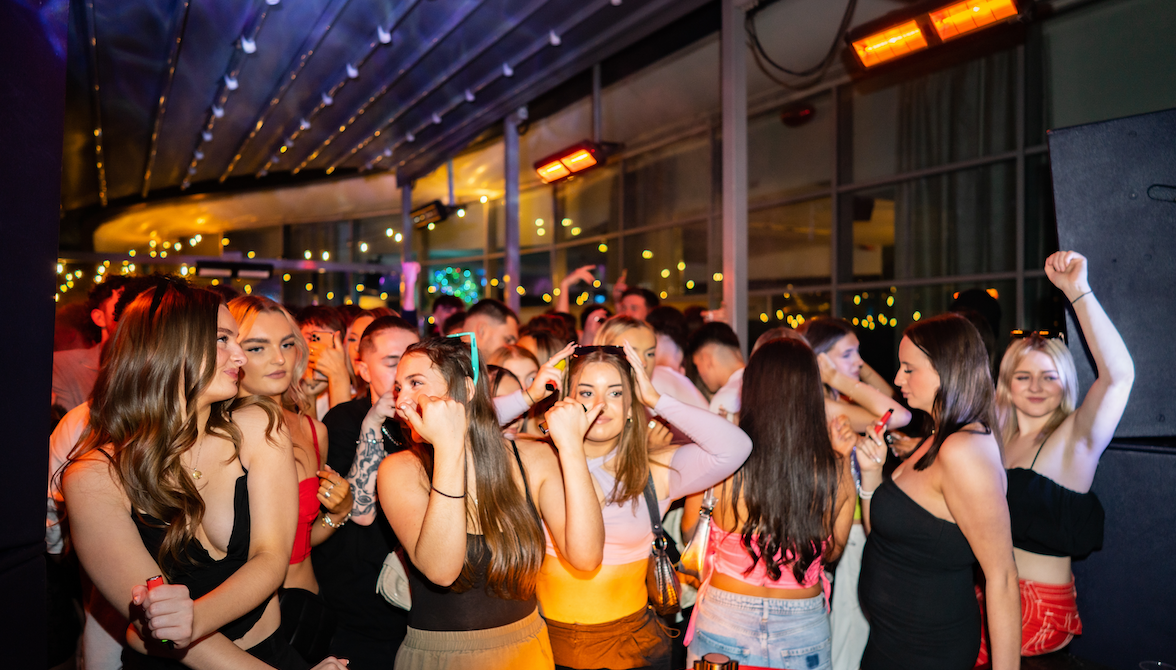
[
  {"x": 175, "y": 478},
  {"x": 601, "y": 618},
  {"x": 943, "y": 511},
  {"x": 275, "y": 359},
  {"x": 1051, "y": 451},
  {"x": 470, "y": 509},
  {"x": 778, "y": 521},
  {"x": 503, "y": 382}
]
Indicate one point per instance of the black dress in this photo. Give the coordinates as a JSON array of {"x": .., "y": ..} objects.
[{"x": 916, "y": 588}]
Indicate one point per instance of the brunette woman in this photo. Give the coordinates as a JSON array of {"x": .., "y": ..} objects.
[
  {"x": 778, "y": 521},
  {"x": 601, "y": 618},
  {"x": 470, "y": 509},
  {"x": 275, "y": 360},
  {"x": 1051, "y": 451},
  {"x": 943, "y": 511},
  {"x": 177, "y": 477}
]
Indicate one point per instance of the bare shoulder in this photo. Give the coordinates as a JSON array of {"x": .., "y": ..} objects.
[
  {"x": 537, "y": 454},
  {"x": 320, "y": 431},
  {"x": 401, "y": 466},
  {"x": 968, "y": 452},
  {"x": 93, "y": 477}
]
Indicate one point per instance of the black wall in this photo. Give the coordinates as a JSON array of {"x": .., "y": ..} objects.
[{"x": 32, "y": 103}]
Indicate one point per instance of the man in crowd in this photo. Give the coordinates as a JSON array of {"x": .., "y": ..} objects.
[
  {"x": 718, "y": 357},
  {"x": 493, "y": 324},
  {"x": 74, "y": 370}
]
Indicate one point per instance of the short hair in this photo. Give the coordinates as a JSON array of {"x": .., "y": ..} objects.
[
  {"x": 588, "y": 312},
  {"x": 550, "y": 324},
  {"x": 547, "y": 343},
  {"x": 453, "y": 324},
  {"x": 450, "y": 301},
  {"x": 717, "y": 333},
  {"x": 102, "y": 290},
  {"x": 380, "y": 325},
  {"x": 322, "y": 316},
  {"x": 823, "y": 333},
  {"x": 777, "y": 333},
  {"x": 667, "y": 321},
  {"x": 650, "y": 298},
  {"x": 496, "y": 310}
]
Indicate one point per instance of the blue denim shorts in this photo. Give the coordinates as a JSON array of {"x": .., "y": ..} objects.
[{"x": 764, "y": 632}]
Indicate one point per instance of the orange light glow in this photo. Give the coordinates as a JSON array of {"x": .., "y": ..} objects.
[
  {"x": 580, "y": 160},
  {"x": 964, "y": 17},
  {"x": 890, "y": 44},
  {"x": 993, "y": 292},
  {"x": 553, "y": 171}
]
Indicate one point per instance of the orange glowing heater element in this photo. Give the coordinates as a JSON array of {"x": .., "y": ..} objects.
[
  {"x": 962, "y": 18},
  {"x": 890, "y": 44},
  {"x": 581, "y": 160},
  {"x": 553, "y": 171}
]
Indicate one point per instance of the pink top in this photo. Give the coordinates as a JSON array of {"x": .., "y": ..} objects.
[
  {"x": 717, "y": 450},
  {"x": 732, "y": 560}
]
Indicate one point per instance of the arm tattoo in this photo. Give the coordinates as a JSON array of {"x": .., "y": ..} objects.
[{"x": 369, "y": 452}]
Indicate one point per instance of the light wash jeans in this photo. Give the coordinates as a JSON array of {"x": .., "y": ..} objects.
[{"x": 764, "y": 632}]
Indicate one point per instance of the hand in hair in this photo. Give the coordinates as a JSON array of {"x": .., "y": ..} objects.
[
  {"x": 549, "y": 375},
  {"x": 168, "y": 611},
  {"x": 568, "y": 422},
  {"x": 1067, "y": 271},
  {"x": 440, "y": 422},
  {"x": 828, "y": 369},
  {"x": 644, "y": 388}
]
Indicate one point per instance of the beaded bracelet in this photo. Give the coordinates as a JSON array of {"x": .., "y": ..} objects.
[{"x": 327, "y": 523}]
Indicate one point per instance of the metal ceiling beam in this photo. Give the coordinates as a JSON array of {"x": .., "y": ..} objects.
[
  {"x": 452, "y": 71},
  {"x": 457, "y": 20},
  {"x": 602, "y": 45},
  {"x": 331, "y": 14},
  {"x": 180, "y": 22}
]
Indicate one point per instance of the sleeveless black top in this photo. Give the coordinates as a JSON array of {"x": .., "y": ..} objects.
[
  {"x": 916, "y": 588},
  {"x": 200, "y": 573},
  {"x": 440, "y": 608},
  {"x": 1050, "y": 519}
]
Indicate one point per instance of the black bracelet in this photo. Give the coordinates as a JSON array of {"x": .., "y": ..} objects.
[
  {"x": 439, "y": 492},
  {"x": 1080, "y": 297}
]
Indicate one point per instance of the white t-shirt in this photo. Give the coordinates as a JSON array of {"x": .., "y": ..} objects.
[{"x": 727, "y": 401}]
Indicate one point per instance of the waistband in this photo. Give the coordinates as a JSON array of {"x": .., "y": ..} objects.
[
  {"x": 476, "y": 640},
  {"x": 771, "y": 605},
  {"x": 625, "y": 623},
  {"x": 1048, "y": 590}
]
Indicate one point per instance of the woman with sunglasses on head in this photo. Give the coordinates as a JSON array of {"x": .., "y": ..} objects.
[
  {"x": 471, "y": 508},
  {"x": 178, "y": 477},
  {"x": 275, "y": 360},
  {"x": 1052, "y": 447},
  {"x": 778, "y": 521},
  {"x": 942, "y": 512},
  {"x": 601, "y": 618}
]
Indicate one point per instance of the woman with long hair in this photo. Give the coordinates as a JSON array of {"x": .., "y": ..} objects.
[
  {"x": 1052, "y": 446},
  {"x": 778, "y": 521},
  {"x": 942, "y": 512},
  {"x": 275, "y": 360},
  {"x": 177, "y": 477},
  {"x": 601, "y": 618},
  {"x": 470, "y": 509}
]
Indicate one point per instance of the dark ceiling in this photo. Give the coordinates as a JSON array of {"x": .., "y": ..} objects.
[{"x": 174, "y": 96}]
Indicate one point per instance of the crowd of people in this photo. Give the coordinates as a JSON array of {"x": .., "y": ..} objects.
[{"x": 237, "y": 484}]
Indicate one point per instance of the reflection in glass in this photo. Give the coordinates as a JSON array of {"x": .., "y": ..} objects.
[
  {"x": 672, "y": 183},
  {"x": 671, "y": 262},
  {"x": 789, "y": 244},
  {"x": 785, "y": 161},
  {"x": 588, "y": 204}
]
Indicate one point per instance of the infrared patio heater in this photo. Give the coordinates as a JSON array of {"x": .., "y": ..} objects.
[{"x": 567, "y": 163}]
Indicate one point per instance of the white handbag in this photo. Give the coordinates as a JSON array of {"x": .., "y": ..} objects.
[{"x": 393, "y": 582}]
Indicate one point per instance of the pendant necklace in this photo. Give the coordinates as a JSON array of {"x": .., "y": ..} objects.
[{"x": 196, "y": 474}]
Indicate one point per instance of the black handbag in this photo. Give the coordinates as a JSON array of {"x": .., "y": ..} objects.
[{"x": 665, "y": 592}]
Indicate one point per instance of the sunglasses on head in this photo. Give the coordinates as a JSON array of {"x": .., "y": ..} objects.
[
  {"x": 611, "y": 349},
  {"x": 473, "y": 342},
  {"x": 1043, "y": 334}
]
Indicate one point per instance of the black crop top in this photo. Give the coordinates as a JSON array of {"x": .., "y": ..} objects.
[
  {"x": 440, "y": 608},
  {"x": 200, "y": 573},
  {"x": 1050, "y": 519}
]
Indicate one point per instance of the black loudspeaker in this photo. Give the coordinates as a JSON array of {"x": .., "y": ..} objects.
[{"x": 1115, "y": 196}]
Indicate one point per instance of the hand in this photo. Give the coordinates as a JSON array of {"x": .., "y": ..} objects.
[
  {"x": 410, "y": 270},
  {"x": 620, "y": 287},
  {"x": 645, "y": 391},
  {"x": 719, "y": 314},
  {"x": 1067, "y": 271},
  {"x": 168, "y": 611},
  {"x": 568, "y": 422},
  {"x": 903, "y": 446},
  {"x": 583, "y": 274},
  {"x": 828, "y": 370},
  {"x": 334, "y": 491},
  {"x": 331, "y": 663},
  {"x": 331, "y": 361},
  {"x": 383, "y": 409},
  {"x": 440, "y": 422},
  {"x": 842, "y": 435},
  {"x": 870, "y": 458},
  {"x": 550, "y": 374},
  {"x": 657, "y": 435}
]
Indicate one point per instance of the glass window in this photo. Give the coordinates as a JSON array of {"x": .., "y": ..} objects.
[
  {"x": 311, "y": 241},
  {"x": 589, "y": 204},
  {"x": 463, "y": 280},
  {"x": 954, "y": 114},
  {"x": 265, "y": 242},
  {"x": 536, "y": 279},
  {"x": 605, "y": 256},
  {"x": 671, "y": 183},
  {"x": 786, "y": 160},
  {"x": 959, "y": 223},
  {"x": 460, "y": 235},
  {"x": 1045, "y": 305},
  {"x": 670, "y": 262},
  {"x": 382, "y": 247},
  {"x": 536, "y": 217},
  {"x": 789, "y": 244},
  {"x": 1041, "y": 233}
]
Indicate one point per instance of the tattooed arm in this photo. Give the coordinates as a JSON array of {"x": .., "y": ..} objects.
[{"x": 369, "y": 453}]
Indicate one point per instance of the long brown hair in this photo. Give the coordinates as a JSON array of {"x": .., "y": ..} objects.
[
  {"x": 245, "y": 309},
  {"x": 965, "y": 394},
  {"x": 789, "y": 482},
  {"x": 512, "y": 536},
  {"x": 162, "y": 359},
  {"x": 632, "y": 459}
]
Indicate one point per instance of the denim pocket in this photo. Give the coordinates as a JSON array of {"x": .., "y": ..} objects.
[
  {"x": 815, "y": 657},
  {"x": 705, "y": 642}
]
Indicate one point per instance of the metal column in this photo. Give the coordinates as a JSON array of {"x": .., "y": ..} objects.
[
  {"x": 733, "y": 86},
  {"x": 510, "y": 169},
  {"x": 406, "y": 230}
]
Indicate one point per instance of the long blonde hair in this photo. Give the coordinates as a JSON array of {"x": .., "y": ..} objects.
[
  {"x": 1006, "y": 414},
  {"x": 245, "y": 309}
]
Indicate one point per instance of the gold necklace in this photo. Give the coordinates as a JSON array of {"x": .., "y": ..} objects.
[{"x": 196, "y": 474}]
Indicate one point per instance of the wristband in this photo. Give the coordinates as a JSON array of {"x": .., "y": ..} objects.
[{"x": 327, "y": 523}]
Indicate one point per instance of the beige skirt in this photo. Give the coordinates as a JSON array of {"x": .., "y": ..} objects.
[{"x": 522, "y": 645}]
